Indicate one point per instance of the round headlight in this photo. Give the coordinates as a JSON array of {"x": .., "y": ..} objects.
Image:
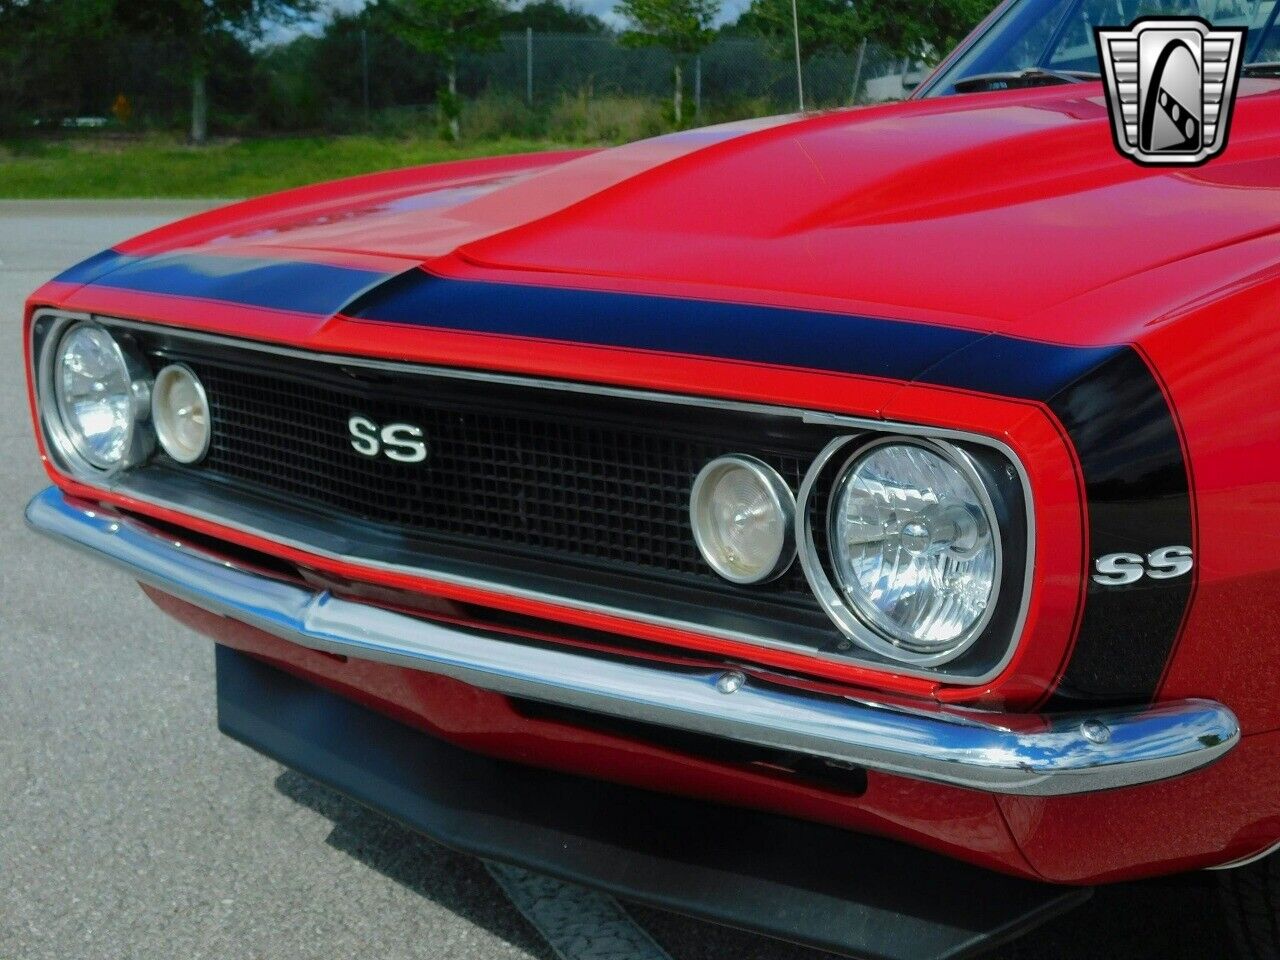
[
  {"x": 180, "y": 413},
  {"x": 742, "y": 514},
  {"x": 100, "y": 395},
  {"x": 915, "y": 545}
]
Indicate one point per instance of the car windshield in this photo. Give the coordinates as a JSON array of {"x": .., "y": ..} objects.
[{"x": 1033, "y": 42}]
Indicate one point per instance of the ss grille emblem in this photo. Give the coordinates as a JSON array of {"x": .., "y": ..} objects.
[
  {"x": 401, "y": 442},
  {"x": 1120, "y": 569}
]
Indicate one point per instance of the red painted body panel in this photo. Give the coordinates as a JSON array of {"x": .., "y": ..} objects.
[
  {"x": 1002, "y": 212},
  {"x": 1221, "y": 365}
]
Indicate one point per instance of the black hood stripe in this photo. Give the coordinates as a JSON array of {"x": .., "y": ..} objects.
[
  {"x": 319, "y": 289},
  {"x": 807, "y": 339}
]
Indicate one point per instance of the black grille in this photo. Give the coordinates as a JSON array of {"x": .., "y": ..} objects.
[{"x": 571, "y": 479}]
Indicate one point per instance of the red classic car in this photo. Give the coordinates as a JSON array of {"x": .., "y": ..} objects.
[{"x": 861, "y": 528}]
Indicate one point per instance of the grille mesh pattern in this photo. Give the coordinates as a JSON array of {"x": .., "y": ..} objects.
[{"x": 567, "y": 486}]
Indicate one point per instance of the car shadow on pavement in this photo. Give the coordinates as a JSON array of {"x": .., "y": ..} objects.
[
  {"x": 1175, "y": 918},
  {"x": 460, "y": 883},
  {"x": 456, "y": 882}
]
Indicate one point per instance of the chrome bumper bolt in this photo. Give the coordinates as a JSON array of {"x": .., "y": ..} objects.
[
  {"x": 1095, "y": 731},
  {"x": 730, "y": 682}
]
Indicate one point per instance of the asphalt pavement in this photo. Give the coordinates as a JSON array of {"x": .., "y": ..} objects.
[{"x": 130, "y": 828}]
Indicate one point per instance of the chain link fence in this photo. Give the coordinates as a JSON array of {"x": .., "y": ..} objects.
[
  {"x": 538, "y": 67},
  {"x": 350, "y": 81}
]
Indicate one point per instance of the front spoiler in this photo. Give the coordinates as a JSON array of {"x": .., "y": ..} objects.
[
  {"x": 1038, "y": 755},
  {"x": 798, "y": 881}
]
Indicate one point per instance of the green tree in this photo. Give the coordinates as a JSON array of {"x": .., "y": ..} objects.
[
  {"x": 681, "y": 26},
  {"x": 924, "y": 29},
  {"x": 552, "y": 16},
  {"x": 43, "y": 46},
  {"x": 446, "y": 29},
  {"x": 336, "y": 67},
  {"x": 18, "y": 21},
  {"x": 202, "y": 27},
  {"x": 826, "y": 26},
  {"x": 916, "y": 29}
]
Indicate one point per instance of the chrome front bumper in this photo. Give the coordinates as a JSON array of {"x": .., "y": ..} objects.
[{"x": 1025, "y": 754}]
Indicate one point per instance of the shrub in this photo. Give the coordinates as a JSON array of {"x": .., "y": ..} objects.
[
  {"x": 579, "y": 118},
  {"x": 492, "y": 116}
]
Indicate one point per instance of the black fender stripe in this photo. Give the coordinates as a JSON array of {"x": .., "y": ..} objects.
[{"x": 1138, "y": 493}]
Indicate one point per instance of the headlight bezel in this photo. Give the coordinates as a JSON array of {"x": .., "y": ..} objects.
[
  {"x": 881, "y": 637},
  {"x": 69, "y": 452},
  {"x": 986, "y": 646}
]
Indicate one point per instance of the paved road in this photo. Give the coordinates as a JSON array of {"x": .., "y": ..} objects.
[{"x": 129, "y": 828}]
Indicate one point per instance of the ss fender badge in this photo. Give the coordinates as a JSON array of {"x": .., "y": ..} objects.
[
  {"x": 401, "y": 442},
  {"x": 1120, "y": 569}
]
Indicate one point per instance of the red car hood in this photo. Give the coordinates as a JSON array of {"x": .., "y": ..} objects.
[{"x": 984, "y": 210}]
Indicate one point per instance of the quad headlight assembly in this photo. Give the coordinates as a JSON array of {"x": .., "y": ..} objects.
[
  {"x": 917, "y": 548},
  {"x": 102, "y": 406}
]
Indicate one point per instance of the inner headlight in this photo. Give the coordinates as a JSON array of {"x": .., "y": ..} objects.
[
  {"x": 742, "y": 514},
  {"x": 180, "y": 413},
  {"x": 100, "y": 394},
  {"x": 915, "y": 545}
]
